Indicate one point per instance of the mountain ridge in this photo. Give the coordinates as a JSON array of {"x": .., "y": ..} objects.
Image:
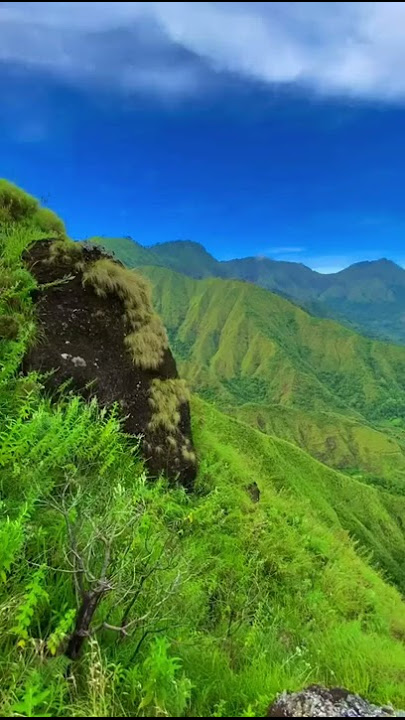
[
  {"x": 368, "y": 296},
  {"x": 262, "y": 359}
]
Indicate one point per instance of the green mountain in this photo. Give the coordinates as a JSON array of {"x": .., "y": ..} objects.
[
  {"x": 368, "y": 296},
  {"x": 276, "y": 572},
  {"x": 336, "y": 394},
  {"x": 245, "y": 344}
]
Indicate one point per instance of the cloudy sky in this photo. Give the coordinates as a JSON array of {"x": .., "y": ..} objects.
[{"x": 255, "y": 128}]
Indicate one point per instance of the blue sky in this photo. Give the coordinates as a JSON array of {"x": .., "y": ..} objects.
[{"x": 254, "y": 128}]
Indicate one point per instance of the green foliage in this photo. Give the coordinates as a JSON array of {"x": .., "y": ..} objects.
[
  {"x": 17, "y": 206},
  {"x": 49, "y": 223},
  {"x": 33, "y": 698},
  {"x": 248, "y": 599},
  {"x": 61, "y": 632},
  {"x": 34, "y": 593},
  {"x": 146, "y": 339},
  {"x": 166, "y": 691},
  {"x": 211, "y": 603}
]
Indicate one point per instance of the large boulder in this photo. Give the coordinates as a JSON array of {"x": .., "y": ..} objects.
[{"x": 99, "y": 335}]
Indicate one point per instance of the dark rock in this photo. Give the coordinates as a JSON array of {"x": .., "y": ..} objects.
[
  {"x": 82, "y": 344},
  {"x": 254, "y": 492}
]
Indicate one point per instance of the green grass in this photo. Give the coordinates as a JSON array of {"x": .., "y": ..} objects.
[
  {"x": 17, "y": 206},
  {"x": 257, "y": 597},
  {"x": 372, "y": 454},
  {"x": 342, "y": 502},
  {"x": 222, "y": 602}
]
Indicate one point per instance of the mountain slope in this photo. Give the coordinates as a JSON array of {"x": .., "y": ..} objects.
[
  {"x": 334, "y": 393},
  {"x": 368, "y": 296},
  {"x": 344, "y": 443},
  {"x": 374, "y": 518},
  {"x": 250, "y": 345},
  {"x": 205, "y": 604}
]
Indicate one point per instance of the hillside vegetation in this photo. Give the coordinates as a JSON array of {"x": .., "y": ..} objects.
[
  {"x": 258, "y": 347},
  {"x": 274, "y": 573},
  {"x": 367, "y": 296},
  {"x": 257, "y": 356},
  {"x": 375, "y": 456}
]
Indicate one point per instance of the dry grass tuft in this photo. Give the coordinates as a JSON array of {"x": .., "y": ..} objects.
[
  {"x": 166, "y": 398},
  {"x": 66, "y": 251},
  {"x": 147, "y": 339},
  {"x": 188, "y": 455}
]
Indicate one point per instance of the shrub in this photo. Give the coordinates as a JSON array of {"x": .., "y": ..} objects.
[
  {"x": 166, "y": 398},
  {"x": 147, "y": 339}
]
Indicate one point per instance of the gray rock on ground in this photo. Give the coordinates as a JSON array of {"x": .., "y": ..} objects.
[{"x": 318, "y": 701}]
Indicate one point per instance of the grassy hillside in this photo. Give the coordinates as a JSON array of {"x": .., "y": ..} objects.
[
  {"x": 339, "y": 501},
  {"x": 249, "y": 597},
  {"x": 367, "y": 296},
  {"x": 334, "y": 393},
  {"x": 272, "y": 575},
  {"x": 373, "y": 455},
  {"x": 244, "y": 344}
]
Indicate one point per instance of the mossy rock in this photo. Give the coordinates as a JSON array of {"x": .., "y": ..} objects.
[{"x": 100, "y": 334}]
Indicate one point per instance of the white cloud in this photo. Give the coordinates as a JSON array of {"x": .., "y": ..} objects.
[
  {"x": 351, "y": 48},
  {"x": 285, "y": 250}
]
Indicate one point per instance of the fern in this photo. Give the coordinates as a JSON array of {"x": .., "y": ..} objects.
[
  {"x": 35, "y": 593},
  {"x": 61, "y": 631},
  {"x": 165, "y": 690},
  {"x": 12, "y": 533},
  {"x": 33, "y": 698}
]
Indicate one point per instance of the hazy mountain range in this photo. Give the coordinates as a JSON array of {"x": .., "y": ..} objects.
[{"x": 368, "y": 296}]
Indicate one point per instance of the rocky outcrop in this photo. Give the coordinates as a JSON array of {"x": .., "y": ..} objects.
[
  {"x": 317, "y": 701},
  {"x": 99, "y": 336}
]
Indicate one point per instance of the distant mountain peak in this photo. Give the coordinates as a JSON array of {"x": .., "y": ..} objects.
[{"x": 369, "y": 295}]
